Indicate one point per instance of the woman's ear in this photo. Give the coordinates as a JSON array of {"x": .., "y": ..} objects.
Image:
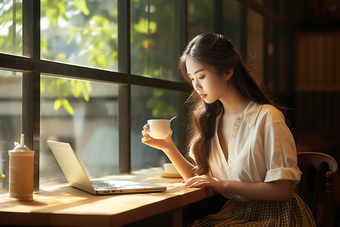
[{"x": 229, "y": 73}]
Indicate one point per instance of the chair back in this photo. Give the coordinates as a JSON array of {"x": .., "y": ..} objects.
[{"x": 317, "y": 185}]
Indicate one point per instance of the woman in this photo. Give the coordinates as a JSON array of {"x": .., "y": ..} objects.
[{"x": 239, "y": 141}]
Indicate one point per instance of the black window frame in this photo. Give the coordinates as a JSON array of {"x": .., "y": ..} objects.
[{"x": 32, "y": 67}]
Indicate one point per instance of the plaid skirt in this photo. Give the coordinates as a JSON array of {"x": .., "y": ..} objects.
[{"x": 260, "y": 213}]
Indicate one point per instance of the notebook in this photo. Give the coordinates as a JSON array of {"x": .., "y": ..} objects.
[{"x": 77, "y": 177}]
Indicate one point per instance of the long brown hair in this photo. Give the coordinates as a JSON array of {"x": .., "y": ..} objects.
[{"x": 214, "y": 50}]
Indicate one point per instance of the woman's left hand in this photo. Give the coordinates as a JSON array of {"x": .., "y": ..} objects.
[
  {"x": 205, "y": 181},
  {"x": 275, "y": 190}
]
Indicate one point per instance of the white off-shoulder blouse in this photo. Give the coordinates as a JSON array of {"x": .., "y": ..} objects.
[{"x": 261, "y": 149}]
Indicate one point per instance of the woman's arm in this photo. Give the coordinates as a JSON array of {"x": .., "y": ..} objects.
[
  {"x": 275, "y": 190},
  {"x": 169, "y": 148}
]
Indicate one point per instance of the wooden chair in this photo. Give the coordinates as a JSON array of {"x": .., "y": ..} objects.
[{"x": 316, "y": 186}]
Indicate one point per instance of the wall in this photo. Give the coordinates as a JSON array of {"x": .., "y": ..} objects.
[
  {"x": 317, "y": 97},
  {"x": 317, "y": 91}
]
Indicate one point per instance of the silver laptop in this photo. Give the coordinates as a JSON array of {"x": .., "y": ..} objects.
[{"x": 77, "y": 177}]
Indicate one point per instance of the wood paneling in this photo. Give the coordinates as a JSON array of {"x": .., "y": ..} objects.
[
  {"x": 317, "y": 61},
  {"x": 317, "y": 91}
]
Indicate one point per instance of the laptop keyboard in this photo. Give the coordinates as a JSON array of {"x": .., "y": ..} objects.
[{"x": 103, "y": 185}]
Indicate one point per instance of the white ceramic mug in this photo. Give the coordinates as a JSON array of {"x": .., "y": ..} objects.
[
  {"x": 170, "y": 168},
  {"x": 159, "y": 128}
]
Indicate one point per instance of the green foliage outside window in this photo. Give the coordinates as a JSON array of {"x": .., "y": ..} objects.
[
  {"x": 63, "y": 87},
  {"x": 93, "y": 31},
  {"x": 160, "y": 108},
  {"x": 10, "y": 35},
  {"x": 2, "y": 177}
]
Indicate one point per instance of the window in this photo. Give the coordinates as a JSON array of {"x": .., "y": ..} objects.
[
  {"x": 11, "y": 27},
  {"x": 200, "y": 17},
  {"x": 91, "y": 72},
  {"x": 80, "y": 32},
  {"x": 10, "y": 117},
  {"x": 155, "y": 39},
  {"x": 150, "y": 103},
  {"x": 232, "y": 22},
  {"x": 89, "y": 123}
]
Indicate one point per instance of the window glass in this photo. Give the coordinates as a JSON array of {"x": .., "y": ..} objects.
[
  {"x": 84, "y": 114},
  {"x": 148, "y": 103},
  {"x": 255, "y": 42},
  {"x": 232, "y": 22},
  {"x": 80, "y": 32},
  {"x": 10, "y": 119},
  {"x": 11, "y": 26},
  {"x": 155, "y": 39},
  {"x": 200, "y": 17}
]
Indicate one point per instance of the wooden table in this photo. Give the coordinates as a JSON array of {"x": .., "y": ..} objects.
[{"x": 68, "y": 206}]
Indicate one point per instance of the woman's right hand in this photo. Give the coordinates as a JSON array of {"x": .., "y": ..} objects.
[
  {"x": 169, "y": 148},
  {"x": 161, "y": 144}
]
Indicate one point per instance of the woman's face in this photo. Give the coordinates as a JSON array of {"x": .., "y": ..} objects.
[{"x": 205, "y": 80}]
